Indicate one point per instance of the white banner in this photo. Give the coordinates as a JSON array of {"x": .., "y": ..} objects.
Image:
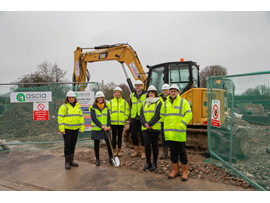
[
  {"x": 19, "y": 97},
  {"x": 86, "y": 99}
]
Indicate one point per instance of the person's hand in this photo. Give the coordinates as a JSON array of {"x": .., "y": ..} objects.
[
  {"x": 108, "y": 128},
  {"x": 63, "y": 132},
  {"x": 104, "y": 128},
  {"x": 147, "y": 126}
]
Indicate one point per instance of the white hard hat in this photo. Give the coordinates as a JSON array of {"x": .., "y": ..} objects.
[
  {"x": 165, "y": 87},
  {"x": 138, "y": 82},
  {"x": 99, "y": 94},
  {"x": 71, "y": 94},
  {"x": 174, "y": 86},
  {"x": 152, "y": 88},
  {"x": 118, "y": 88}
]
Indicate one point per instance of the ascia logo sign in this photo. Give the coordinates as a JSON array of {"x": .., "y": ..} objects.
[
  {"x": 17, "y": 97},
  {"x": 20, "y": 97}
]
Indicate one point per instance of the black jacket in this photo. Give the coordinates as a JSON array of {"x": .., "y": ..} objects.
[{"x": 97, "y": 135}]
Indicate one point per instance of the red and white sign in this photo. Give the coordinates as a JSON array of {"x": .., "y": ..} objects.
[
  {"x": 41, "y": 111},
  {"x": 215, "y": 118}
]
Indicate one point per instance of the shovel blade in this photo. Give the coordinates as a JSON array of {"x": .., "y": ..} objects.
[{"x": 116, "y": 161}]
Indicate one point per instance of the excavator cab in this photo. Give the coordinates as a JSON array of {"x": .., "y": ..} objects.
[{"x": 185, "y": 74}]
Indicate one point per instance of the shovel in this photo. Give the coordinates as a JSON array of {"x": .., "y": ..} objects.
[{"x": 115, "y": 160}]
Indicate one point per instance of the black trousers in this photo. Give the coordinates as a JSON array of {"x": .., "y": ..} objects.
[
  {"x": 117, "y": 131},
  {"x": 178, "y": 148},
  {"x": 135, "y": 127},
  {"x": 96, "y": 147},
  {"x": 164, "y": 142},
  {"x": 151, "y": 138},
  {"x": 70, "y": 139}
]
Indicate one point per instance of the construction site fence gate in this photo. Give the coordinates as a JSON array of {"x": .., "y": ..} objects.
[
  {"x": 239, "y": 126},
  {"x": 28, "y": 112}
]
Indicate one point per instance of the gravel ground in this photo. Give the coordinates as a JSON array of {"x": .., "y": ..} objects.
[{"x": 198, "y": 168}]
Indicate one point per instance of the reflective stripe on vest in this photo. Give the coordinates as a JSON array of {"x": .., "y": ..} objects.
[
  {"x": 176, "y": 107},
  {"x": 177, "y": 116},
  {"x": 102, "y": 117},
  {"x": 148, "y": 115},
  {"x": 70, "y": 117},
  {"x": 118, "y": 113},
  {"x": 136, "y": 104}
]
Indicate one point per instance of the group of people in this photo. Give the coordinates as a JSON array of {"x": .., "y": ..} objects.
[{"x": 151, "y": 114}]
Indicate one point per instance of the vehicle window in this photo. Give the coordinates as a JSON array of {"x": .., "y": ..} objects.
[
  {"x": 157, "y": 78},
  {"x": 195, "y": 73},
  {"x": 179, "y": 74}
]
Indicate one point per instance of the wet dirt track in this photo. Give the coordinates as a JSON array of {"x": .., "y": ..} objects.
[{"x": 43, "y": 171}]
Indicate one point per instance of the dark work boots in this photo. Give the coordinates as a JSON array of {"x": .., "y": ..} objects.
[
  {"x": 71, "y": 161},
  {"x": 67, "y": 160}
]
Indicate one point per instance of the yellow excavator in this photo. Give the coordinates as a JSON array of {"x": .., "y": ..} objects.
[{"x": 183, "y": 73}]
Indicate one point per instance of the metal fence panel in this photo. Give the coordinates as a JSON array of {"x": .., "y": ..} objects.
[
  {"x": 239, "y": 126},
  {"x": 17, "y": 126}
]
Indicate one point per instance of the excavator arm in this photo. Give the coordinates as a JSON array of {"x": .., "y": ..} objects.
[{"x": 123, "y": 53}]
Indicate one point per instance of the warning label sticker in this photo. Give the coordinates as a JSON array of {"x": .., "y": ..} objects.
[
  {"x": 41, "y": 111},
  {"x": 215, "y": 117}
]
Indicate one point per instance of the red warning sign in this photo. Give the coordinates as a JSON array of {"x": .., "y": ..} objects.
[
  {"x": 41, "y": 111},
  {"x": 215, "y": 120}
]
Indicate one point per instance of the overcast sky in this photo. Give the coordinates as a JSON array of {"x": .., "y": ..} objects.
[{"x": 238, "y": 41}]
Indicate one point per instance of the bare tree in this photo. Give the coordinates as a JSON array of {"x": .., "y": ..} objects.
[
  {"x": 108, "y": 90},
  {"x": 46, "y": 72},
  {"x": 208, "y": 71}
]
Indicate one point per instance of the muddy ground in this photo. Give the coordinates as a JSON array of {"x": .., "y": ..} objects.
[{"x": 198, "y": 168}]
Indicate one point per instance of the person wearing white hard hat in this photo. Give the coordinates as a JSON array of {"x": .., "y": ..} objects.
[
  {"x": 136, "y": 100},
  {"x": 176, "y": 114},
  {"x": 119, "y": 111},
  {"x": 163, "y": 97},
  {"x": 70, "y": 120},
  {"x": 150, "y": 115},
  {"x": 101, "y": 123}
]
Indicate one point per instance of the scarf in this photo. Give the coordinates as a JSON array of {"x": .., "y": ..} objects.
[
  {"x": 100, "y": 106},
  {"x": 150, "y": 100}
]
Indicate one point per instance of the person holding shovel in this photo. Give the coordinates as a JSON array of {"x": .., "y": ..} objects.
[
  {"x": 70, "y": 120},
  {"x": 119, "y": 111},
  {"x": 101, "y": 124},
  {"x": 149, "y": 116}
]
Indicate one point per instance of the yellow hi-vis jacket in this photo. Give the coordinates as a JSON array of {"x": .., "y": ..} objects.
[
  {"x": 101, "y": 116},
  {"x": 70, "y": 117},
  {"x": 149, "y": 112},
  {"x": 136, "y": 104},
  {"x": 161, "y": 98},
  {"x": 176, "y": 117},
  {"x": 119, "y": 111}
]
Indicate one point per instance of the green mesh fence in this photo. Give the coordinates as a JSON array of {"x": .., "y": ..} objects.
[
  {"x": 19, "y": 130},
  {"x": 239, "y": 126}
]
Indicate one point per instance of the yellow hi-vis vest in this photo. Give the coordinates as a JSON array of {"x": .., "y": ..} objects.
[
  {"x": 149, "y": 112},
  {"x": 119, "y": 111},
  {"x": 70, "y": 118},
  {"x": 101, "y": 116},
  {"x": 176, "y": 117},
  {"x": 136, "y": 104}
]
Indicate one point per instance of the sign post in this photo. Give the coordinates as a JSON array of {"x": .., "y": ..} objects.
[{"x": 215, "y": 117}]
